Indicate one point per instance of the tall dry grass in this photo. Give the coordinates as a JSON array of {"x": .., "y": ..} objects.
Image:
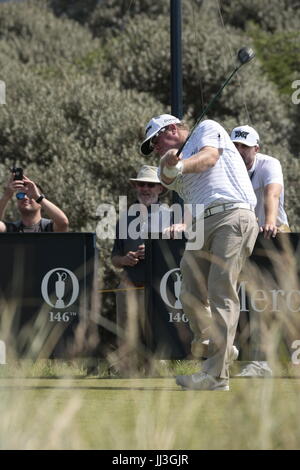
[{"x": 46, "y": 404}]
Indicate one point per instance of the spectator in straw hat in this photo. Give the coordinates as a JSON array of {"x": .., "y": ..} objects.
[{"x": 128, "y": 254}]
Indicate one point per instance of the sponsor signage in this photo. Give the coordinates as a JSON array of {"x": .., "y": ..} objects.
[
  {"x": 169, "y": 336},
  {"x": 273, "y": 294},
  {"x": 46, "y": 291}
]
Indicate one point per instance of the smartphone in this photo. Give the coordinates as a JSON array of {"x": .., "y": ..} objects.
[{"x": 18, "y": 173}]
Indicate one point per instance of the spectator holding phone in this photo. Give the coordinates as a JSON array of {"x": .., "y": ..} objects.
[{"x": 30, "y": 202}]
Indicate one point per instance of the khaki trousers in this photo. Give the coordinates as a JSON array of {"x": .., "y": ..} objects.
[{"x": 209, "y": 283}]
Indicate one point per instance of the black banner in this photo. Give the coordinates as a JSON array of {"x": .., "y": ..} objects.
[
  {"x": 48, "y": 297},
  {"x": 47, "y": 293},
  {"x": 269, "y": 292}
]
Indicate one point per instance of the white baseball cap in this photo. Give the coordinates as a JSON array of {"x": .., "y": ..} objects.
[
  {"x": 245, "y": 135},
  {"x": 153, "y": 127}
]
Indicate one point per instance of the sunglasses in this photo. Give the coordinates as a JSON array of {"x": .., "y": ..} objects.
[
  {"x": 141, "y": 184},
  {"x": 153, "y": 140},
  {"x": 21, "y": 196}
]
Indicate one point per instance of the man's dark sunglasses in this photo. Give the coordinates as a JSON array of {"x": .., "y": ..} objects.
[
  {"x": 141, "y": 184},
  {"x": 20, "y": 196}
]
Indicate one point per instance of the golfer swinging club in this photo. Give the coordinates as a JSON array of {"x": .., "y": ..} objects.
[{"x": 211, "y": 172}]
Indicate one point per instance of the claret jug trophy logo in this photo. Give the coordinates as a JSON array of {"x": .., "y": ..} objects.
[
  {"x": 171, "y": 281},
  {"x": 59, "y": 279}
]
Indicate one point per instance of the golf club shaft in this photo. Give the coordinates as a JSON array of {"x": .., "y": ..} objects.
[{"x": 208, "y": 106}]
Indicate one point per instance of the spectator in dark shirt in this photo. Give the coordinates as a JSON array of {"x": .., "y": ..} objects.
[{"x": 129, "y": 254}]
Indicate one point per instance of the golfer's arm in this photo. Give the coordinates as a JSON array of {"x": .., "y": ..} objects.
[
  {"x": 170, "y": 183},
  {"x": 205, "y": 159}
]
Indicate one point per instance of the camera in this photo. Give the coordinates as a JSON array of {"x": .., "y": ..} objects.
[{"x": 18, "y": 173}]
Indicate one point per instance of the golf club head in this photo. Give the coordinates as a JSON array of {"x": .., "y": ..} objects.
[{"x": 245, "y": 54}]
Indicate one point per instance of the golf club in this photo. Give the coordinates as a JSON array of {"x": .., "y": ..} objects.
[{"x": 244, "y": 55}]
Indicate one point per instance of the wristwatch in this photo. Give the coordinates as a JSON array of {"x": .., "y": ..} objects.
[{"x": 40, "y": 198}]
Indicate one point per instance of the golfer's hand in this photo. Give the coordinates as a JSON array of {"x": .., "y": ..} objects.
[
  {"x": 170, "y": 158},
  {"x": 167, "y": 164}
]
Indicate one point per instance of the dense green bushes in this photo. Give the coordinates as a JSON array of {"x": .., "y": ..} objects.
[
  {"x": 83, "y": 78},
  {"x": 277, "y": 15}
]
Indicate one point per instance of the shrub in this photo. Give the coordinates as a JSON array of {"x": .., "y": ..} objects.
[{"x": 278, "y": 15}]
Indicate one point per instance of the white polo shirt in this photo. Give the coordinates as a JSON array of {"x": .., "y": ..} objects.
[
  {"x": 266, "y": 170},
  {"x": 227, "y": 181}
]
